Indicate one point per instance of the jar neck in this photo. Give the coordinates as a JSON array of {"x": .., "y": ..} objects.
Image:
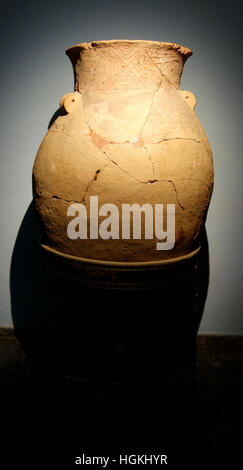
[{"x": 122, "y": 64}]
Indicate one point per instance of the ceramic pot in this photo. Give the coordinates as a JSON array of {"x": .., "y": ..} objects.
[{"x": 127, "y": 134}]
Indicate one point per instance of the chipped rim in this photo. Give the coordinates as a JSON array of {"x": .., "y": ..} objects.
[
  {"x": 121, "y": 264},
  {"x": 185, "y": 52}
]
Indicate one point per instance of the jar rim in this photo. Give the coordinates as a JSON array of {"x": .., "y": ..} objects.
[{"x": 185, "y": 52}]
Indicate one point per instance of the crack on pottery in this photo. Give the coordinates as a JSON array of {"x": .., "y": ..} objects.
[
  {"x": 150, "y": 158},
  {"x": 150, "y": 181},
  {"x": 126, "y": 172},
  {"x": 97, "y": 140},
  {"x": 92, "y": 180},
  {"x": 100, "y": 141},
  {"x": 175, "y": 138},
  {"x": 150, "y": 107},
  {"x": 58, "y": 198},
  {"x": 95, "y": 177},
  {"x": 163, "y": 76},
  {"x": 176, "y": 192}
]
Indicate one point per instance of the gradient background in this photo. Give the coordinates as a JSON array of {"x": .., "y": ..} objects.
[{"x": 35, "y": 73}]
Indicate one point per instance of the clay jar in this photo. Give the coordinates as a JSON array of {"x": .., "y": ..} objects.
[{"x": 128, "y": 135}]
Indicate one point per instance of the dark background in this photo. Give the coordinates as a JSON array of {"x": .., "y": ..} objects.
[{"x": 35, "y": 73}]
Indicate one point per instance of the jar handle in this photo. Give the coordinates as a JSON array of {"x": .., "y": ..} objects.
[
  {"x": 189, "y": 97},
  {"x": 70, "y": 101}
]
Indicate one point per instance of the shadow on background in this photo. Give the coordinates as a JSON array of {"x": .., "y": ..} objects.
[
  {"x": 29, "y": 302},
  {"x": 58, "y": 112}
]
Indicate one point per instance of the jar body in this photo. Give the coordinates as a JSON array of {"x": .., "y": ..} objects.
[{"x": 132, "y": 138}]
